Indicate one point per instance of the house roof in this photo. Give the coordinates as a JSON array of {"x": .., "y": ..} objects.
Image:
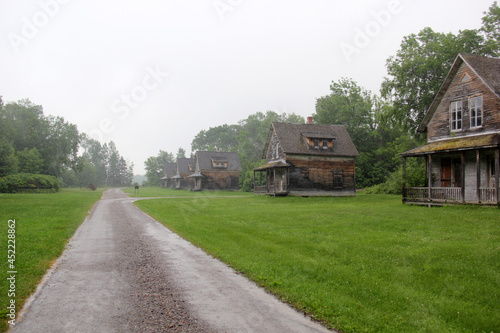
[
  {"x": 486, "y": 68},
  {"x": 204, "y": 160},
  {"x": 456, "y": 144},
  {"x": 292, "y": 139},
  {"x": 170, "y": 169},
  {"x": 183, "y": 165},
  {"x": 278, "y": 164}
]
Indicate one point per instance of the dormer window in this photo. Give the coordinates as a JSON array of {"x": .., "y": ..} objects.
[
  {"x": 456, "y": 115},
  {"x": 325, "y": 144},
  {"x": 476, "y": 111},
  {"x": 316, "y": 144},
  {"x": 219, "y": 164}
]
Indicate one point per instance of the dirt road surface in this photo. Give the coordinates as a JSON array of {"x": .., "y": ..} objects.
[{"x": 125, "y": 272}]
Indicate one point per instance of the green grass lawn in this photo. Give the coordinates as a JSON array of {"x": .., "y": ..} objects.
[
  {"x": 44, "y": 224},
  {"x": 358, "y": 264},
  {"x": 169, "y": 192}
]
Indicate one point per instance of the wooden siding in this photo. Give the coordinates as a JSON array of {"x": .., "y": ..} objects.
[
  {"x": 220, "y": 180},
  {"x": 321, "y": 173},
  {"x": 439, "y": 126}
]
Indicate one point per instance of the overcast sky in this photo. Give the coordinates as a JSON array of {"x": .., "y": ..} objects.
[{"x": 151, "y": 74}]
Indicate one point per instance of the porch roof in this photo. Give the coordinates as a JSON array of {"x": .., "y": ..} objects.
[
  {"x": 196, "y": 174},
  {"x": 456, "y": 144},
  {"x": 272, "y": 165}
]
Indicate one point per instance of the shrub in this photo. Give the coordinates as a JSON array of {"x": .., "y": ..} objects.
[{"x": 29, "y": 182}]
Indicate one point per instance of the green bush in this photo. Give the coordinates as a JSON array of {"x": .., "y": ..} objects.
[
  {"x": 415, "y": 176},
  {"x": 28, "y": 182}
]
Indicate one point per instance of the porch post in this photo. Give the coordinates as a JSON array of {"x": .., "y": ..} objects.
[
  {"x": 497, "y": 173},
  {"x": 404, "y": 179},
  {"x": 478, "y": 176},
  {"x": 462, "y": 162},
  {"x": 429, "y": 175}
]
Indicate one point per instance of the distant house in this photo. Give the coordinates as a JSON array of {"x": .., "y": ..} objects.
[
  {"x": 307, "y": 160},
  {"x": 169, "y": 170},
  {"x": 185, "y": 167},
  {"x": 463, "y": 137},
  {"x": 216, "y": 171}
]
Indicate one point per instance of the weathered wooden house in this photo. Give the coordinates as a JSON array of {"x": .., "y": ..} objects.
[
  {"x": 307, "y": 160},
  {"x": 169, "y": 170},
  {"x": 463, "y": 137},
  {"x": 185, "y": 167},
  {"x": 216, "y": 171}
]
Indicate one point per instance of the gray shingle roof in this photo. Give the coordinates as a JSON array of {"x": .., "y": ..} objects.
[
  {"x": 183, "y": 165},
  {"x": 291, "y": 139},
  {"x": 204, "y": 160},
  {"x": 170, "y": 169}
]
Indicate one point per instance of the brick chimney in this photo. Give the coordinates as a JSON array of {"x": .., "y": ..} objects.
[{"x": 309, "y": 120}]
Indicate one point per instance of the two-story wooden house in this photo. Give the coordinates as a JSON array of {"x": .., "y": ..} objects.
[
  {"x": 216, "y": 170},
  {"x": 463, "y": 137},
  {"x": 307, "y": 160}
]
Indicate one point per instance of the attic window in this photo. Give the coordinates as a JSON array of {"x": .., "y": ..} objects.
[
  {"x": 465, "y": 78},
  {"x": 219, "y": 164}
]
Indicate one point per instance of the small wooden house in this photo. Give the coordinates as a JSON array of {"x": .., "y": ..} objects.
[
  {"x": 307, "y": 160},
  {"x": 169, "y": 170},
  {"x": 463, "y": 137},
  {"x": 216, "y": 171},
  {"x": 185, "y": 167}
]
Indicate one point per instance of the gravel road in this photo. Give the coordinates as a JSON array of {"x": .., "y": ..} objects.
[{"x": 124, "y": 272}]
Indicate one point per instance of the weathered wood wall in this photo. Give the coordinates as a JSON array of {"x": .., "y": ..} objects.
[
  {"x": 439, "y": 126},
  {"x": 321, "y": 173},
  {"x": 220, "y": 180}
]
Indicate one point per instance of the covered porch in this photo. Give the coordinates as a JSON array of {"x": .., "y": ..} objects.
[
  {"x": 272, "y": 179},
  {"x": 458, "y": 171}
]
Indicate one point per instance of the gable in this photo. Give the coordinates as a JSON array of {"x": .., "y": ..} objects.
[
  {"x": 466, "y": 104},
  {"x": 470, "y": 76}
]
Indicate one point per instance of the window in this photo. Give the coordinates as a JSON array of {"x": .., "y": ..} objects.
[
  {"x": 316, "y": 144},
  {"x": 476, "y": 111},
  {"x": 456, "y": 115},
  {"x": 325, "y": 144}
]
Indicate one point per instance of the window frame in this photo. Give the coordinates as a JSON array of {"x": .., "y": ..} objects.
[
  {"x": 454, "y": 111},
  {"x": 475, "y": 117}
]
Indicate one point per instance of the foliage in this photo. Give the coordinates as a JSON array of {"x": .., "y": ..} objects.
[
  {"x": 9, "y": 163},
  {"x": 419, "y": 68},
  {"x": 491, "y": 28},
  {"x": 30, "y": 161},
  {"x": 415, "y": 177},
  {"x": 27, "y": 181},
  {"x": 155, "y": 165},
  {"x": 358, "y": 264}
]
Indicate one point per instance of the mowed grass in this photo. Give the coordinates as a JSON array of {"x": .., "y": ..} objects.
[
  {"x": 359, "y": 264},
  {"x": 44, "y": 224},
  {"x": 170, "y": 192}
]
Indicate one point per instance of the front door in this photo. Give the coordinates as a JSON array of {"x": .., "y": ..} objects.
[{"x": 446, "y": 172}]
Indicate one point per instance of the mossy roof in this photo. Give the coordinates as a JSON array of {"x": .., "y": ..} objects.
[{"x": 456, "y": 144}]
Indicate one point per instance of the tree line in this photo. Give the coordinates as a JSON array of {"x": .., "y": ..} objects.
[
  {"x": 381, "y": 126},
  {"x": 36, "y": 144}
]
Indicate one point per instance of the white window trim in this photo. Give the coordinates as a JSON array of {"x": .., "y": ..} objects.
[
  {"x": 470, "y": 111},
  {"x": 461, "y": 116}
]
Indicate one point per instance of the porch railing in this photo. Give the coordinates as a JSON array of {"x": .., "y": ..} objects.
[
  {"x": 438, "y": 194},
  {"x": 487, "y": 195},
  {"x": 445, "y": 195}
]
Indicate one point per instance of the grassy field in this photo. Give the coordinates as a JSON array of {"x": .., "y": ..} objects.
[
  {"x": 43, "y": 225},
  {"x": 169, "y": 192},
  {"x": 362, "y": 264}
]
